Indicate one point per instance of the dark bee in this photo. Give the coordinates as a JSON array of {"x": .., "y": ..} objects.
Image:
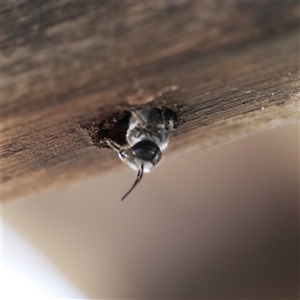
[{"x": 147, "y": 136}]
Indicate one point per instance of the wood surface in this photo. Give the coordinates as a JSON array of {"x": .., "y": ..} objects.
[{"x": 229, "y": 69}]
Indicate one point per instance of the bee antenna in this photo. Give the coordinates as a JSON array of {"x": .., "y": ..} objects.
[{"x": 138, "y": 179}]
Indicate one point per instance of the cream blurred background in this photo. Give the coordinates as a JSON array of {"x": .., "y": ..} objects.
[{"x": 220, "y": 223}]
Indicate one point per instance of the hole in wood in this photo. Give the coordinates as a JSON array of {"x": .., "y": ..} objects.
[{"x": 115, "y": 127}]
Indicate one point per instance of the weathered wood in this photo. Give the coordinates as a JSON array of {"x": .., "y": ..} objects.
[{"x": 234, "y": 66}]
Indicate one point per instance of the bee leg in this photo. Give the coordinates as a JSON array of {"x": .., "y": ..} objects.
[{"x": 113, "y": 145}]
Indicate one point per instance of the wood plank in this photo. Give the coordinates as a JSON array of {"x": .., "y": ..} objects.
[{"x": 230, "y": 68}]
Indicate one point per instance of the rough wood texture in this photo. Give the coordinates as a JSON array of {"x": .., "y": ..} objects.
[{"x": 66, "y": 63}]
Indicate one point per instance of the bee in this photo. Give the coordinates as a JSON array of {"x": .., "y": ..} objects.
[{"x": 147, "y": 137}]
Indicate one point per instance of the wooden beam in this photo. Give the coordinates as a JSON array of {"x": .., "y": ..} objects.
[{"x": 229, "y": 69}]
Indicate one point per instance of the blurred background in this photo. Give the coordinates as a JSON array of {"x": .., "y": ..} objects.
[{"x": 220, "y": 223}]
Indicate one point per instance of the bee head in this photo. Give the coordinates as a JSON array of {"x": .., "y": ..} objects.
[
  {"x": 145, "y": 153},
  {"x": 143, "y": 156}
]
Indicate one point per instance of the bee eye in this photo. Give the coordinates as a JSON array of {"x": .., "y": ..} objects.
[{"x": 146, "y": 150}]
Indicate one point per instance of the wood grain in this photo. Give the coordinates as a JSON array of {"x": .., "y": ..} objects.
[{"x": 235, "y": 66}]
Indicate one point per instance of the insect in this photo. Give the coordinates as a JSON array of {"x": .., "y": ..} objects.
[{"x": 147, "y": 136}]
